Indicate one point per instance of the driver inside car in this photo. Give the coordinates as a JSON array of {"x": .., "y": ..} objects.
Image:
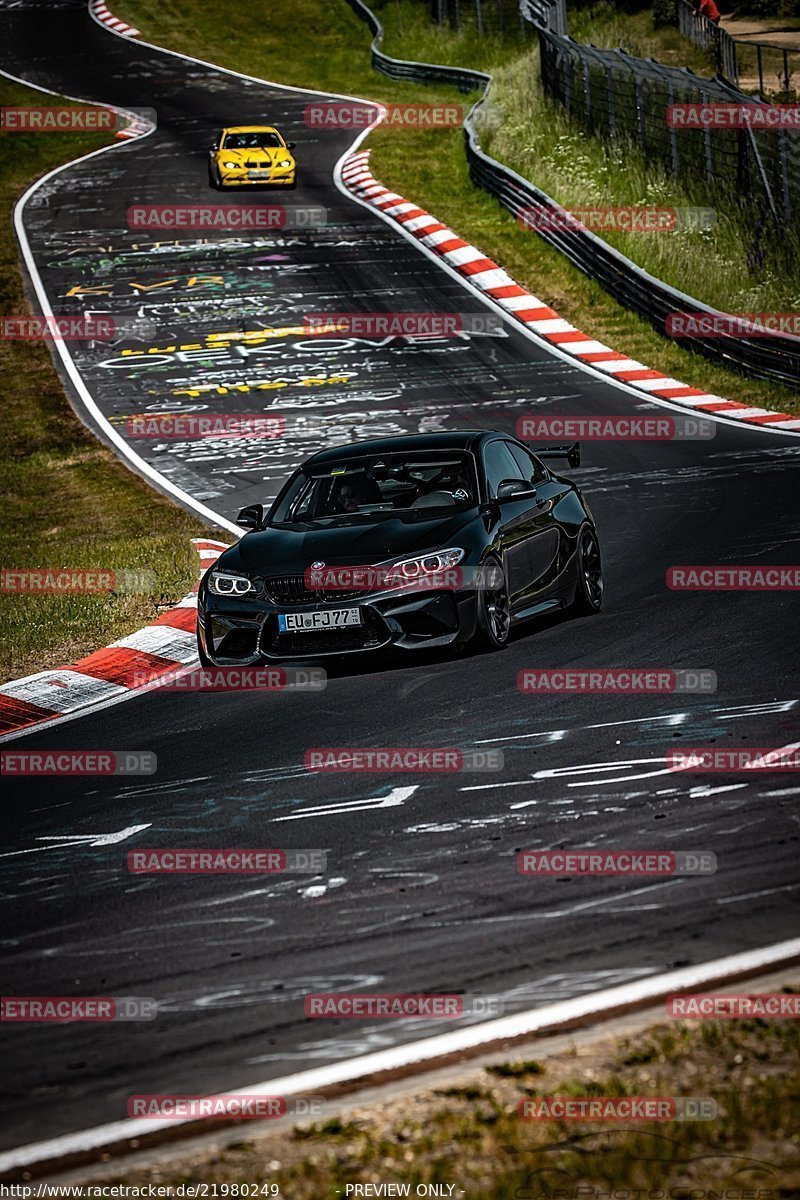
[{"x": 355, "y": 492}]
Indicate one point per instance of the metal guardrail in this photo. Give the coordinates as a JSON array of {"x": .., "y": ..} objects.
[
  {"x": 397, "y": 68},
  {"x": 708, "y": 36},
  {"x": 545, "y": 14},
  {"x": 781, "y": 63},
  {"x": 774, "y": 358}
]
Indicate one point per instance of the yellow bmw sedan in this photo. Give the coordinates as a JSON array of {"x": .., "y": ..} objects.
[{"x": 251, "y": 154}]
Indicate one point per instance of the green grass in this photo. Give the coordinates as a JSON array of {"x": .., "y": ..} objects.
[
  {"x": 539, "y": 140},
  {"x": 67, "y": 501},
  {"x": 430, "y": 166},
  {"x": 470, "y": 1135}
]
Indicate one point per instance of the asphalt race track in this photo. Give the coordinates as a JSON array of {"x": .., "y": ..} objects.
[{"x": 421, "y": 892}]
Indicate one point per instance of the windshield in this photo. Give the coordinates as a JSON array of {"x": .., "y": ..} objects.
[
  {"x": 251, "y": 141},
  {"x": 365, "y": 490}
]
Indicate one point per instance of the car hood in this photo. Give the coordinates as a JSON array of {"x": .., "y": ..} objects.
[
  {"x": 291, "y": 551},
  {"x": 267, "y": 156}
]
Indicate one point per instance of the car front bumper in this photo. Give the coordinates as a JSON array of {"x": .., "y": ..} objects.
[
  {"x": 242, "y": 177},
  {"x": 245, "y": 633}
]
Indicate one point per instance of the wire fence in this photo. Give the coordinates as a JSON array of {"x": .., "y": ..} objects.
[
  {"x": 709, "y": 37},
  {"x": 777, "y": 69},
  {"x": 501, "y": 16},
  {"x": 776, "y": 358},
  {"x": 619, "y": 97}
]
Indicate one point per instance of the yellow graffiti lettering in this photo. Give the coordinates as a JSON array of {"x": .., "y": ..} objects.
[
  {"x": 151, "y": 287},
  {"x": 80, "y": 290}
]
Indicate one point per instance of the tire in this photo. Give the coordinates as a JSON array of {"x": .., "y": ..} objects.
[
  {"x": 494, "y": 608},
  {"x": 290, "y": 187},
  {"x": 589, "y": 587},
  {"x": 212, "y": 181}
]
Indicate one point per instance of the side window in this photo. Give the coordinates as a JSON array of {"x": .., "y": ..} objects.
[
  {"x": 499, "y": 465},
  {"x": 531, "y": 467}
]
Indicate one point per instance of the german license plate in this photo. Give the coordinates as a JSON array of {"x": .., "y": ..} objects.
[
  {"x": 331, "y": 618},
  {"x": 258, "y": 174}
]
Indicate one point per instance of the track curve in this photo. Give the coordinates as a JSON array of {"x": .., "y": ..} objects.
[{"x": 421, "y": 892}]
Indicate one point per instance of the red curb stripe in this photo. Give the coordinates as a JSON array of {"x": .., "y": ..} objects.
[
  {"x": 542, "y": 313},
  {"x": 533, "y": 315},
  {"x": 642, "y": 373},
  {"x": 179, "y": 618},
  {"x": 17, "y": 714},
  {"x": 409, "y": 216},
  {"x": 603, "y": 356},
  {"x": 773, "y": 418},
  {"x": 423, "y": 233},
  {"x": 120, "y": 664},
  {"x": 678, "y": 392},
  {"x": 477, "y": 264},
  {"x": 506, "y": 291},
  {"x": 573, "y": 335}
]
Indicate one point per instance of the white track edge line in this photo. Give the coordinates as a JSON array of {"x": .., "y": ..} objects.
[
  {"x": 594, "y": 1004},
  {"x": 346, "y": 191},
  {"x": 124, "y": 451}
]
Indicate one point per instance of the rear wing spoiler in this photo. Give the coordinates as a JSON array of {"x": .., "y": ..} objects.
[{"x": 571, "y": 453}]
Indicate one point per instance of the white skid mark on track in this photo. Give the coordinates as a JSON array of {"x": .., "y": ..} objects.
[
  {"x": 66, "y": 841},
  {"x": 396, "y": 797}
]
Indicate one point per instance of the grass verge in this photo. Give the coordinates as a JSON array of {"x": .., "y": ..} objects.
[
  {"x": 68, "y": 502},
  {"x": 430, "y": 167},
  {"x": 469, "y": 1135}
]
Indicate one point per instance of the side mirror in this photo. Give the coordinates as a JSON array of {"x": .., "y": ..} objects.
[
  {"x": 514, "y": 489},
  {"x": 251, "y": 517},
  {"x": 291, "y": 145}
]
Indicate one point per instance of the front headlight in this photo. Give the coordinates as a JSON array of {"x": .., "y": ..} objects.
[
  {"x": 287, "y": 162},
  {"x": 229, "y": 166},
  {"x": 424, "y": 567},
  {"x": 223, "y": 583}
]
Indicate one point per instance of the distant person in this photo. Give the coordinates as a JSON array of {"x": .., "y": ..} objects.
[{"x": 707, "y": 9}]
